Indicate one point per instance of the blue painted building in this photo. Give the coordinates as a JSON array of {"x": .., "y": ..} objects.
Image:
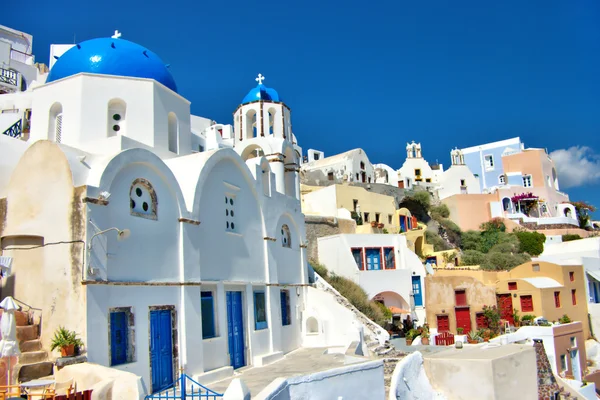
[{"x": 485, "y": 161}]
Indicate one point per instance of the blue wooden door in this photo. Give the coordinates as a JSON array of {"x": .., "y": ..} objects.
[
  {"x": 402, "y": 223},
  {"x": 161, "y": 349},
  {"x": 118, "y": 338},
  {"x": 373, "y": 259},
  {"x": 416, "y": 287},
  {"x": 235, "y": 329}
]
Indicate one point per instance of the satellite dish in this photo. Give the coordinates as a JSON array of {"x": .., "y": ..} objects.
[{"x": 429, "y": 269}]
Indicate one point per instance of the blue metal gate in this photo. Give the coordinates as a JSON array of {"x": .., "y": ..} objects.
[{"x": 185, "y": 388}]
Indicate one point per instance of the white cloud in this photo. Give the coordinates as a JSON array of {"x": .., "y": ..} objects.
[{"x": 576, "y": 166}]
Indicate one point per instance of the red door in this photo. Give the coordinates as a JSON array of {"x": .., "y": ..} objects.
[
  {"x": 506, "y": 308},
  {"x": 463, "y": 319},
  {"x": 442, "y": 323}
]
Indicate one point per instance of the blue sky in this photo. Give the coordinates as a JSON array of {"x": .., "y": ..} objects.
[{"x": 375, "y": 75}]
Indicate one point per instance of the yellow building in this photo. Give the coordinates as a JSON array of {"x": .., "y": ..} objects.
[{"x": 455, "y": 297}]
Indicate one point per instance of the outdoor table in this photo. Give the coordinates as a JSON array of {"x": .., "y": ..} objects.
[{"x": 36, "y": 384}]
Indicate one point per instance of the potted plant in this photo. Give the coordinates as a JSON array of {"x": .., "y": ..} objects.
[
  {"x": 410, "y": 335},
  {"x": 487, "y": 334},
  {"x": 425, "y": 336},
  {"x": 373, "y": 224},
  {"x": 460, "y": 330},
  {"x": 380, "y": 225},
  {"x": 473, "y": 337},
  {"x": 65, "y": 340}
]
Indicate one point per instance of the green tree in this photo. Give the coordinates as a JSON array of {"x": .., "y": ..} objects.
[
  {"x": 418, "y": 203},
  {"x": 439, "y": 212},
  {"x": 472, "y": 257},
  {"x": 470, "y": 240},
  {"x": 496, "y": 261},
  {"x": 436, "y": 240},
  {"x": 531, "y": 243},
  {"x": 583, "y": 212}
]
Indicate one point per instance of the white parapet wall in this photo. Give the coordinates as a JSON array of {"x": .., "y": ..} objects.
[{"x": 358, "y": 381}]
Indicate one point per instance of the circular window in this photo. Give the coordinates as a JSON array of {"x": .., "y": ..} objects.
[
  {"x": 227, "y": 225},
  {"x": 231, "y": 201},
  {"x": 132, "y": 203},
  {"x": 116, "y": 128},
  {"x": 232, "y": 226},
  {"x": 117, "y": 117},
  {"x": 226, "y": 199},
  {"x": 227, "y": 213},
  {"x": 232, "y": 213},
  {"x": 145, "y": 206},
  {"x": 138, "y": 191}
]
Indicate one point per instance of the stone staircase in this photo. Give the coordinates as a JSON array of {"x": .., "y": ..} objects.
[{"x": 33, "y": 362}]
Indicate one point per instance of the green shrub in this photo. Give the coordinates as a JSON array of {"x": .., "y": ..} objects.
[
  {"x": 358, "y": 298},
  {"x": 472, "y": 257},
  {"x": 564, "y": 319},
  {"x": 439, "y": 212},
  {"x": 569, "y": 237},
  {"x": 387, "y": 314},
  {"x": 436, "y": 240},
  {"x": 319, "y": 269},
  {"x": 532, "y": 243},
  {"x": 493, "y": 225},
  {"x": 506, "y": 247},
  {"x": 470, "y": 240},
  {"x": 503, "y": 261}
]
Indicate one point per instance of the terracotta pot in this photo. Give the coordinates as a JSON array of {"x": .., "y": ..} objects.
[
  {"x": 373, "y": 224},
  {"x": 486, "y": 339},
  {"x": 68, "y": 351},
  {"x": 425, "y": 341},
  {"x": 472, "y": 341},
  {"x": 380, "y": 226},
  {"x": 408, "y": 342}
]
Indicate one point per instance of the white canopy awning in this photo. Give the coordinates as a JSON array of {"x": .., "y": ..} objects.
[{"x": 594, "y": 274}]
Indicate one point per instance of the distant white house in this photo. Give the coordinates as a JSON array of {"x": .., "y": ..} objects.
[{"x": 382, "y": 265}]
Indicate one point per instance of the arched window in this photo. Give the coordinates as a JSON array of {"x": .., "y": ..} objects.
[
  {"x": 506, "y": 204},
  {"x": 312, "y": 325},
  {"x": 142, "y": 199},
  {"x": 502, "y": 179},
  {"x": 271, "y": 121},
  {"x": 55, "y": 123},
  {"x": 286, "y": 237},
  {"x": 173, "y": 132},
  {"x": 116, "y": 117}
]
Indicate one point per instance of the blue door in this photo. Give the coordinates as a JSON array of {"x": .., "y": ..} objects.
[
  {"x": 118, "y": 338},
  {"x": 235, "y": 329},
  {"x": 161, "y": 349},
  {"x": 373, "y": 259},
  {"x": 402, "y": 224},
  {"x": 416, "y": 287}
]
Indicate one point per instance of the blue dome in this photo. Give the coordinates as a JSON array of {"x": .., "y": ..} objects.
[
  {"x": 110, "y": 56},
  {"x": 261, "y": 92}
]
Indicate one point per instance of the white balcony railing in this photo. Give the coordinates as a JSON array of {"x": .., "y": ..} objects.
[{"x": 21, "y": 57}]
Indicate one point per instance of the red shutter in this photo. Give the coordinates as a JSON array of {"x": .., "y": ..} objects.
[
  {"x": 443, "y": 324},
  {"x": 512, "y": 285},
  {"x": 460, "y": 297},
  {"x": 526, "y": 304},
  {"x": 557, "y": 299},
  {"x": 574, "y": 297}
]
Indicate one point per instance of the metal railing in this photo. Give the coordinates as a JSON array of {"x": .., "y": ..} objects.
[
  {"x": 14, "y": 130},
  {"x": 185, "y": 388},
  {"x": 21, "y": 57},
  {"x": 9, "y": 76}
]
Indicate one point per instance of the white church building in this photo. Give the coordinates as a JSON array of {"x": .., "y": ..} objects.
[{"x": 166, "y": 241}]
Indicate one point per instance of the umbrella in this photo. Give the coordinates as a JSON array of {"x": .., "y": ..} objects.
[{"x": 9, "y": 346}]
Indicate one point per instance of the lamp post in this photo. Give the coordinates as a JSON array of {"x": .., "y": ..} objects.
[{"x": 122, "y": 234}]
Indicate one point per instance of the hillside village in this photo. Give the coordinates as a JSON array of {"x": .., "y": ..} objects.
[{"x": 146, "y": 252}]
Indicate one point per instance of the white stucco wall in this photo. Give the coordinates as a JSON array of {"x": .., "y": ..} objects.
[
  {"x": 362, "y": 381},
  {"x": 450, "y": 181}
]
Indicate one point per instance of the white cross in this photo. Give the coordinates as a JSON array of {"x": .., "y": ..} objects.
[
  {"x": 260, "y": 79},
  {"x": 116, "y": 35}
]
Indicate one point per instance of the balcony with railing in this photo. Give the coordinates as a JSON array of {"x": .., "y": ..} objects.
[
  {"x": 15, "y": 130},
  {"x": 21, "y": 57},
  {"x": 9, "y": 80}
]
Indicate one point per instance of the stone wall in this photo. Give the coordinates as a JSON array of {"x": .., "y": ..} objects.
[{"x": 317, "y": 226}]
